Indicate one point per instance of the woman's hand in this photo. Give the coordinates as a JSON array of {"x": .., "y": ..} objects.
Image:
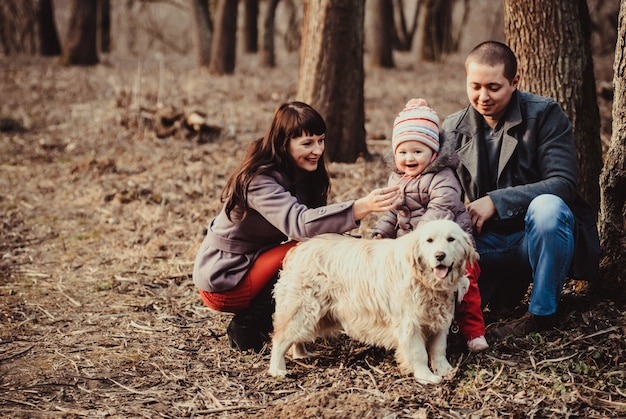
[{"x": 379, "y": 200}]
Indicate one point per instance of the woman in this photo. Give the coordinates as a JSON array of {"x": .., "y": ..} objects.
[{"x": 276, "y": 197}]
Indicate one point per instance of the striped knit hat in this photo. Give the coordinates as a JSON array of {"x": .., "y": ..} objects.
[{"x": 416, "y": 122}]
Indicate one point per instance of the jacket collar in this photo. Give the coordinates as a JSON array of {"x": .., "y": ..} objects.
[{"x": 471, "y": 124}]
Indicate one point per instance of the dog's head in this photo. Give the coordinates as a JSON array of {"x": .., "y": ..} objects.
[{"x": 441, "y": 250}]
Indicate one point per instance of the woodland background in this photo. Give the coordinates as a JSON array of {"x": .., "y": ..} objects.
[{"x": 105, "y": 192}]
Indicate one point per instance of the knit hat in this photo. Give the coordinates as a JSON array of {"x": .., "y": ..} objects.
[{"x": 416, "y": 122}]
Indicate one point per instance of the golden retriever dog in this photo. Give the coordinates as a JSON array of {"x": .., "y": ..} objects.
[{"x": 393, "y": 293}]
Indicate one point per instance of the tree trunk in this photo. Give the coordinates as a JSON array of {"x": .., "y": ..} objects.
[
  {"x": 613, "y": 179},
  {"x": 331, "y": 74},
  {"x": 402, "y": 36},
  {"x": 380, "y": 29},
  {"x": 435, "y": 30},
  {"x": 202, "y": 31},
  {"x": 251, "y": 26},
  {"x": 17, "y": 24},
  {"x": 224, "y": 46},
  {"x": 267, "y": 55},
  {"x": 105, "y": 25},
  {"x": 80, "y": 45},
  {"x": 48, "y": 37},
  {"x": 551, "y": 39}
]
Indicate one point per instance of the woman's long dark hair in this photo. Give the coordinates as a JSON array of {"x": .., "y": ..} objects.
[{"x": 291, "y": 120}]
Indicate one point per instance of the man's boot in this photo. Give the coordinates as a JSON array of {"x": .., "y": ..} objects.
[{"x": 528, "y": 323}]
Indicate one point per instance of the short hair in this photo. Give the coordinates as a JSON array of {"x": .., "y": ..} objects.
[{"x": 494, "y": 53}]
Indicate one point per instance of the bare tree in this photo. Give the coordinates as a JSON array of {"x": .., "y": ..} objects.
[
  {"x": 379, "y": 16},
  {"x": 402, "y": 34},
  {"x": 613, "y": 179},
  {"x": 267, "y": 57},
  {"x": 17, "y": 21},
  {"x": 47, "y": 30},
  {"x": 224, "y": 43},
  {"x": 105, "y": 25},
  {"x": 80, "y": 45},
  {"x": 331, "y": 76},
  {"x": 251, "y": 25},
  {"x": 552, "y": 41},
  {"x": 435, "y": 30},
  {"x": 202, "y": 31}
]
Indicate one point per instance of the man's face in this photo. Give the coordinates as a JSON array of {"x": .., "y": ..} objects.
[{"x": 488, "y": 90}]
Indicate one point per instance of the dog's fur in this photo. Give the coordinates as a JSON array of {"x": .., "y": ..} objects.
[{"x": 397, "y": 294}]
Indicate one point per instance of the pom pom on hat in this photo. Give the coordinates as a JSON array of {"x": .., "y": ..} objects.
[{"x": 416, "y": 122}]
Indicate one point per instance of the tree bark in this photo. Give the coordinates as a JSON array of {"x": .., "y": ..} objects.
[
  {"x": 17, "y": 24},
  {"x": 402, "y": 36},
  {"x": 80, "y": 46},
  {"x": 613, "y": 180},
  {"x": 435, "y": 29},
  {"x": 251, "y": 25},
  {"x": 202, "y": 31},
  {"x": 551, "y": 39},
  {"x": 105, "y": 25},
  {"x": 380, "y": 29},
  {"x": 224, "y": 45},
  {"x": 267, "y": 57},
  {"x": 331, "y": 73},
  {"x": 49, "y": 44}
]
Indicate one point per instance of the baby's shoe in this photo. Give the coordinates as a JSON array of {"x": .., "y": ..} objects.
[{"x": 478, "y": 344}]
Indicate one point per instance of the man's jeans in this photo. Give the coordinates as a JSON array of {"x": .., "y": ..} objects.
[{"x": 542, "y": 253}]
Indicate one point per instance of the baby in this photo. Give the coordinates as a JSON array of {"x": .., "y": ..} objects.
[{"x": 424, "y": 168}]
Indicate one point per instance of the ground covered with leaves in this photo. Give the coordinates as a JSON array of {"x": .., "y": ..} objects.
[{"x": 100, "y": 222}]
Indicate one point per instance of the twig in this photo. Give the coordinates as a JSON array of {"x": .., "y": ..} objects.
[
  {"x": 15, "y": 355},
  {"x": 33, "y": 274},
  {"x": 620, "y": 392},
  {"x": 24, "y": 403},
  {"x": 493, "y": 379},
  {"x": 46, "y": 312},
  {"x": 146, "y": 328},
  {"x": 132, "y": 390},
  {"x": 371, "y": 376},
  {"x": 159, "y": 102},
  {"x": 229, "y": 408},
  {"x": 378, "y": 370},
  {"x": 73, "y": 301},
  {"x": 601, "y": 332},
  {"x": 502, "y": 361},
  {"x": 212, "y": 397},
  {"x": 122, "y": 279},
  {"x": 73, "y": 411},
  {"x": 563, "y": 358}
]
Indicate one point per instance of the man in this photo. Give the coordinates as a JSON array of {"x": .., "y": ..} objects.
[{"x": 519, "y": 175}]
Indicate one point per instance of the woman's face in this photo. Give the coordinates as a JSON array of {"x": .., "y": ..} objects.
[{"x": 307, "y": 150}]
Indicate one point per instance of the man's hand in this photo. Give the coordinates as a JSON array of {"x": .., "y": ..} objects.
[{"x": 481, "y": 210}]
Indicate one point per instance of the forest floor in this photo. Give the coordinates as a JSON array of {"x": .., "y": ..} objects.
[{"x": 101, "y": 220}]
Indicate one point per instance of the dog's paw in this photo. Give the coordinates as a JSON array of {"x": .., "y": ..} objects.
[
  {"x": 277, "y": 368},
  {"x": 424, "y": 377},
  {"x": 277, "y": 372},
  {"x": 299, "y": 351},
  {"x": 442, "y": 367}
]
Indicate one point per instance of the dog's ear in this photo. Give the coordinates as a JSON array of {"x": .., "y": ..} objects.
[
  {"x": 415, "y": 258},
  {"x": 470, "y": 251}
]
